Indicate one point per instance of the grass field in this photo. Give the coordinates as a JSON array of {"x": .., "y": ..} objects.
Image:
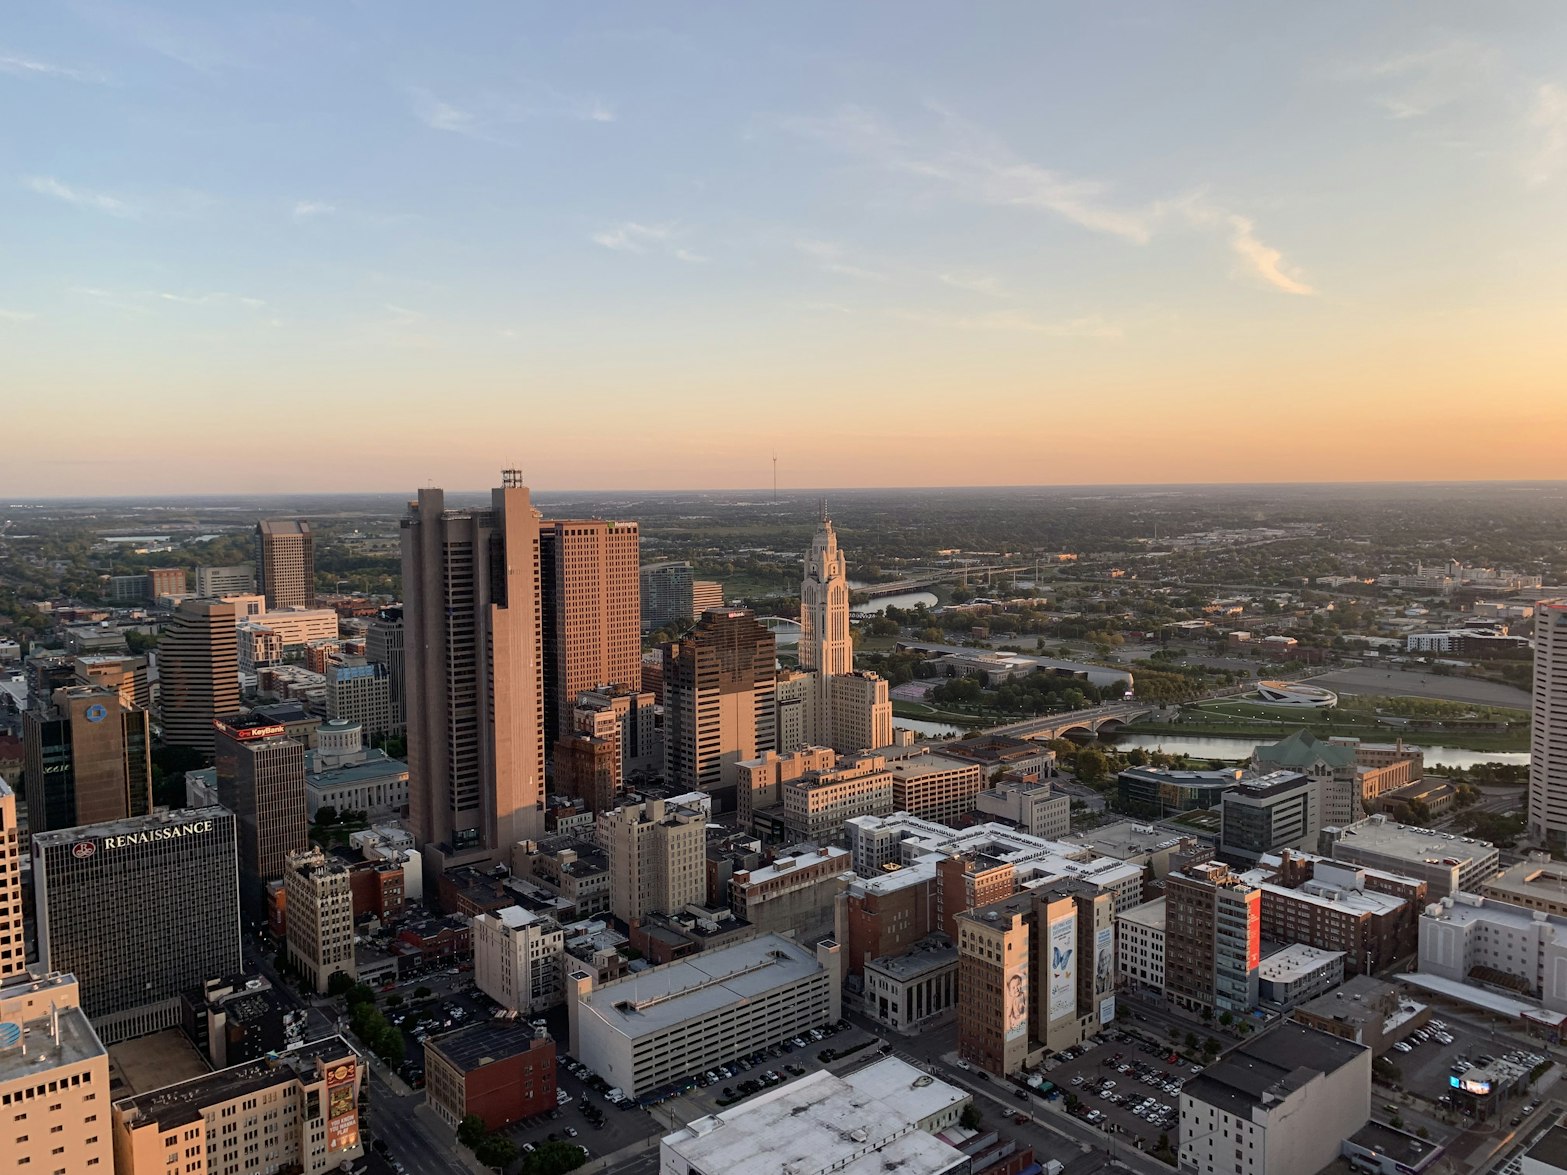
[{"x": 903, "y": 709}]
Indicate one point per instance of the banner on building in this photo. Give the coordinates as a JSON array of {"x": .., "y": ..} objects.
[
  {"x": 1106, "y": 1010},
  {"x": 1104, "y": 958},
  {"x": 342, "y": 1107},
  {"x": 1014, "y": 997},
  {"x": 1063, "y": 967}
]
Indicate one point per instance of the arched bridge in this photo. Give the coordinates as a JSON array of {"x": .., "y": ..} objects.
[
  {"x": 1089, "y": 721},
  {"x": 784, "y": 628}
]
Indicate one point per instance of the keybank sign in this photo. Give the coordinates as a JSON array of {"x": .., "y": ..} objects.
[{"x": 151, "y": 835}]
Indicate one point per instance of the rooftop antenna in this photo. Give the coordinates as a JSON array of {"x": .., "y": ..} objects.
[
  {"x": 824, "y": 509},
  {"x": 775, "y": 477}
]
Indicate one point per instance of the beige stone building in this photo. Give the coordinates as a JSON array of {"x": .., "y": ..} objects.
[
  {"x": 54, "y": 1080},
  {"x": 657, "y": 857},
  {"x": 816, "y": 803},
  {"x": 591, "y": 612},
  {"x": 286, "y": 562},
  {"x": 518, "y": 958},
  {"x": 760, "y": 780},
  {"x": 13, "y": 940},
  {"x": 320, "y": 916},
  {"x": 198, "y": 672},
  {"x": 933, "y": 786},
  {"x": 297, "y": 1111}
]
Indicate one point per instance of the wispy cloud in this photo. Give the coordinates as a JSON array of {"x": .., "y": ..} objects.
[
  {"x": 305, "y": 209},
  {"x": 487, "y": 116},
  {"x": 1087, "y": 327},
  {"x": 80, "y": 197},
  {"x": 146, "y": 301},
  {"x": 16, "y": 315},
  {"x": 630, "y": 236},
  {"x": 831, "y": 258},
  {"x": 1548, "y": 123},
  {"x": 20, "y": 66},
  {"x": 1415, "y": 83},
  {"x": 965, "y": 162},
  {"x": 975, "y": 283},
  {"x": 212, "y": 298}
]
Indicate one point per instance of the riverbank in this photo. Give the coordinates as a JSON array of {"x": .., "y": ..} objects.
[{"x": 1261, "y": 730}]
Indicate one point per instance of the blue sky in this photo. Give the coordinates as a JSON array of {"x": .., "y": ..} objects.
[{"x": 619, "y": 243}]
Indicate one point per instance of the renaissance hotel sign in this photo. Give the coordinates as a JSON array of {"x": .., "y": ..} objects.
[{"x": 146, "y": 836}]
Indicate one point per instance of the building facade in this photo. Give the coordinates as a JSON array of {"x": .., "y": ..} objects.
[
  {"x": 198, "y": 672},
  {"x": 1213, "y": 940},
  {"x": 1139, "y": 946},
  {"x": 320, "y": 904},
  {"x": 718, "y": 703},
  {"x": 13, "y": 937},
  {"x": 54, "y": 1079},
  {"x": 657, "y": 857},
  {"x": 500, "y": 1073},
  {"x": 286, "y": 563},
  {"x": 216, "y": 582},
  {"x": 261, "y": 779},
  {"x": 1548, "y": 729},
  {"x": 89, "y": 759},
  {"x": 591, "y": 613},
  {"x": 172, "y": 881},
  {"x": 665, "y": 594},
  {"x": 518, "y": 959},
  {"x": 473, "y": 653},
  {"x": 297, "y": 1112},
  {"x": 1280, "y": 810}
]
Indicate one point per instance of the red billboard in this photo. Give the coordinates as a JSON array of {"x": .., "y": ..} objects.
[{"x": 342, "y": 1107}]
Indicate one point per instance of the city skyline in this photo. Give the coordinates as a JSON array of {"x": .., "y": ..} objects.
[{"x": 1215, "y": 223}]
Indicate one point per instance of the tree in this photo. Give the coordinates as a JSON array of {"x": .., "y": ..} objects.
[
  {"x": 496, "y": 1150},
  {"x": 1226, "y": 1018},
  {"x": 422, "y": 993},
  {"x": 388, "y": 1045},
  {"x": 969, "y": 1119},
  {"x": 358, "y": 993},
  {"x": 1191, "y": 1041},
  {"x": 1210, "y": 1046},
  {"x": 471, "y": 1131},
  {"x": 339, "y": 983},
  {"x": 553, "y": 1158},
  {"x": 326, "y": 814},
  {"x": 1091, "y": 766}
]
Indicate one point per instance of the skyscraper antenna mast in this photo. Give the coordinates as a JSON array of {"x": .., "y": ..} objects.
[{"x": 775, "y": 477}]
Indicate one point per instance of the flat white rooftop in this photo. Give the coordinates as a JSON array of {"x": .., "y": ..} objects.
[
  {"x": 1468, "y": 909},
  {"x": 1149, "y": 914},
  {"x": 661, "y": 998},
  {"x": 858, "y": 1123},
  {"x": 1332, "y": 897},
  {"x": 1377, "y": 835},
  {"x": 1295, "y": 961}
]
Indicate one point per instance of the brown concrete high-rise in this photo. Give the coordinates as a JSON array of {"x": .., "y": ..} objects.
[
  {"x": 286, "y": 563},
  {"x": 474, "y": 679},
  {"x": 592, "y": 608},
  {"x": 89, "y": 759},
  {"x": 261, "y": 779},
  {"x": 198, "y": 672}
]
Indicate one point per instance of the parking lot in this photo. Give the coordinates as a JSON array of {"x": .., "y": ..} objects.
[
  {"x": 1426, "y": 1068},
  {"x": 1132, "y": 1085}
]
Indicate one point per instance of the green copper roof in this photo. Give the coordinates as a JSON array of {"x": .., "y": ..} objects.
[{"x": 1301, "y": 750}]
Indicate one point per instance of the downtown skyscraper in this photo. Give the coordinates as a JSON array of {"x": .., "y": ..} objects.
[
  {"x": 1548, "y": 730},
  {"x": 474, "y": 674},
  {"x": 286, "y": 563},
  {"x": 825, "y": 645}
]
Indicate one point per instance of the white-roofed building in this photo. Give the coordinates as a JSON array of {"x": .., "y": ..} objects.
[
  {"x": 518, "y": 959},
  {"x": 880, "y": 1118}
]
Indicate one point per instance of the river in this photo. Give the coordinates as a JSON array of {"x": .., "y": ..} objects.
[
  {"x": 1213, "y": 746},
  {"x": 927, "y": 729}
]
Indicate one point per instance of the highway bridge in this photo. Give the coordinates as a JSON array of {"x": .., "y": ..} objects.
[{"x": 929, "y": 579}]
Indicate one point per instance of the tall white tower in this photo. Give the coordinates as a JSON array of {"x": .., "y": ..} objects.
[
  {"x": 1548, "y": 737},
  {"x": 824, "y": 605}
]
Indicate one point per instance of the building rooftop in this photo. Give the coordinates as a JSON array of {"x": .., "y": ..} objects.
[
  {"x": 929, "y": 954},
  {"x": 1333, "y": 897},
  {"x": 824, "y": 858},
  {"x": 661, "y": 998},
  {"x": 1149, "y": 914},
  {"x": 1378, "y": 834},
  {"x": 1405, "y": 1149},
  {"x": 1467, "y": 909},
  {"x": 484, "y": 1043},
  {"x": 1266, "y": 787},
  {"x": 915, "y": 766},
  {"x": 375, "y": 765},
  {"x": 1302, "y": 749},
  {"x": 72, "y": 1041},
  {"x": 176, "y": 1105},
  {"x": 1267, "y": 1068},
  {"x": 156, "y": 820},
  {"x": 1360, "y": 999},
  {"x": 1537, "y": 878},
  {"x": 825, "y": 1123},
  {"x": 1125, "y": 839},
  {"x": 1295, "y": 961}
]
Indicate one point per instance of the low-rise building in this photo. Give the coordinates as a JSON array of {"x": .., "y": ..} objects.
[
  {"x": 1155, "y": 793},
  {"x": 914, "y": 990},
  {"x": 885, "y": 915},
  {"x": 795, "y": 896},
  {"x": 667, "y": 1023},
  {"x": 1139, "y": 946},
  {"x": 1298, "y": 973},
  {"x": 1035, "y": 808},
  {"x": 1137, "y": 844},
  {"x": 876, "y": 1119},
  {"x": 1445, "y": 861},
  {"x": 241, "y": 1019},
  {"x": 297, "y": 1111},
  {"x": 1536, "y": 883},
  {"x": 933, "y": 786},
  {"x": 345, "y": 775},
  {"x": 501, "y": 1072},
  {"x": 1365, "y": 1010},
  {"x": 1334, "y": 908},
  {"x": 1475, "y": 940},
  {"x": 1278, "y": 1104},
  {"x": 816, "y": 804}
]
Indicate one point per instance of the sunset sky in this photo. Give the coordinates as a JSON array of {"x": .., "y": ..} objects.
[{"x": 357, "y": 245}]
